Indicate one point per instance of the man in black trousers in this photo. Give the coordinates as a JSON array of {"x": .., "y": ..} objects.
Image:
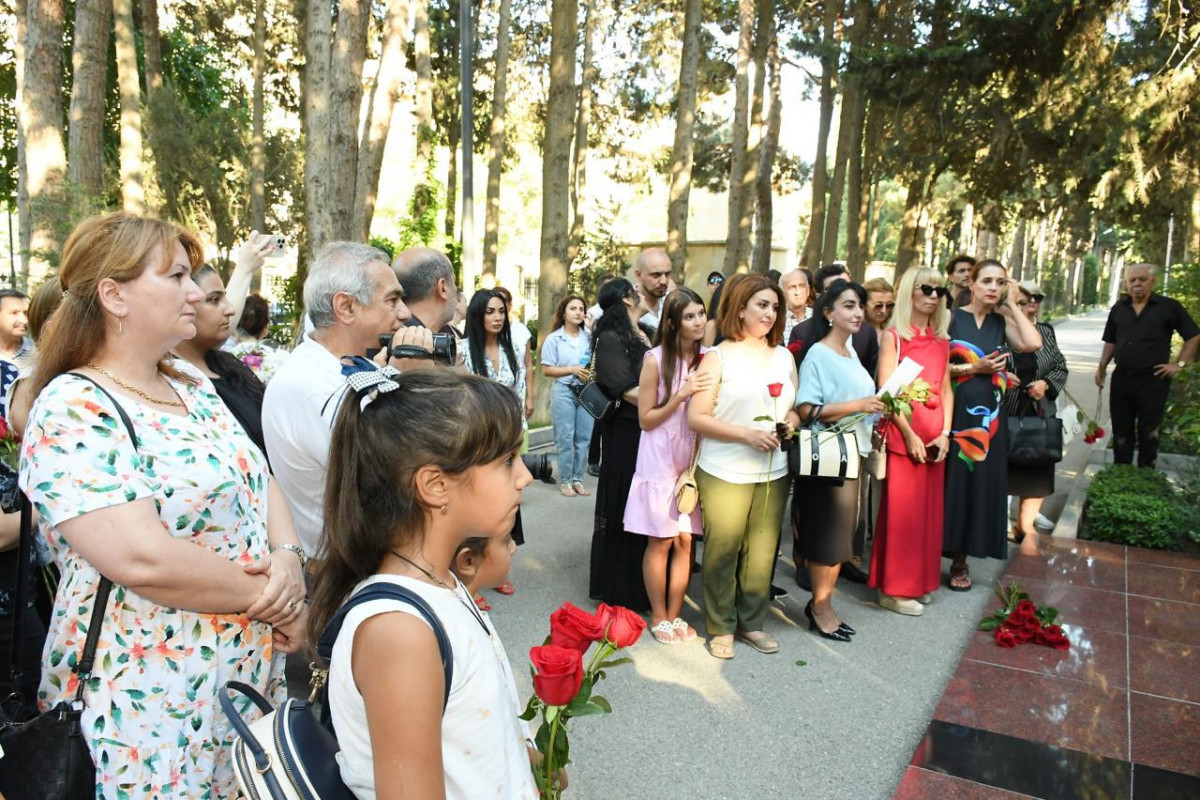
[{"x": 1138, "y": 336}]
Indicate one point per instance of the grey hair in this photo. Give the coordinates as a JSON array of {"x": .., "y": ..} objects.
[
  {"x": 1152, "y": 267},
  {"x": 339, "y": 267},
  {"x": 420, "y": 269}
]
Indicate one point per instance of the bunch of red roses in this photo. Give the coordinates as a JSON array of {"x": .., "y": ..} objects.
[
  {"x": 1021, "y": 621},
  {"x": 1091, "y": 430},
  {"x": 563, "y": 686}
]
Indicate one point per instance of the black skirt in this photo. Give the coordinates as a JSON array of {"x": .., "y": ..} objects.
[
  {"x": 616, "y": 567},
  {"x": 824, "y": 515}
]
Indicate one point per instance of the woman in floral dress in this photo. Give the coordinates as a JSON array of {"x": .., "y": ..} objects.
[{"x": 205, "y": 588}]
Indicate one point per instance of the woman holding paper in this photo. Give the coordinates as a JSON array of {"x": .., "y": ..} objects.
[{"x": 906, "y": 561}]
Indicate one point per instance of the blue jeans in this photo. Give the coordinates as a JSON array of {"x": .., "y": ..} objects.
[{"x": 572, "y": 432}]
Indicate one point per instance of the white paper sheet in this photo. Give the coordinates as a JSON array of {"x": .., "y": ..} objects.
[{"x": 906, "y": 373}]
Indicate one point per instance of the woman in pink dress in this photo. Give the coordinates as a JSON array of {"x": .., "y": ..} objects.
[
  {"x": 906, "y": 561},
  {"x": 668, "y": 379}
]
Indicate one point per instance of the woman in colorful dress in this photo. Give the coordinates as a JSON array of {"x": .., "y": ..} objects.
[
  {"x": 206, "y": 586},
  {"x": 1041, "y": 378},
  {"x": 981, "y": 336},
  {"x": 741, "y": 472},
  {"x": 565, "y": 356},
  {"x": 906, "y": 559},
  {"x": 665, "y": 451}
]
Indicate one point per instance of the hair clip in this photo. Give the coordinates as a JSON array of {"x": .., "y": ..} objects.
[{"x": 368, "y": 379}]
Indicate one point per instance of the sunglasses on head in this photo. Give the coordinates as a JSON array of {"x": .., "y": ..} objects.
[{"x": 930, "y": 291}]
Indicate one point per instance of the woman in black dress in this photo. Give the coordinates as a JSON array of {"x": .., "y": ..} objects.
[
  {"x": 1042, "y": 376},
  {"x": 616, "y": 569},
  {"x": 981, "y": 335}
]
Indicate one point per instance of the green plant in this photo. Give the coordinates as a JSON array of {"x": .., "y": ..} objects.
[
  {"x": 1181, "y": 426},
  {"x": 1138, "y": 507}
]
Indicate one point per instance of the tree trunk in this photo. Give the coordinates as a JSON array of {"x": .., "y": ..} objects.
[
  {"x": 583, "y": 123},
  {"x": 453, "y": 139},
  {"x": 24, "y": 228},
  {"x": 764, "y": 30},
  {"x": 1191, "y": 247},
  {"x": 89, "y": 61},
  {"x": 384, "y": 92},
  {"x": 741, "y": 133},
  {"x": 423, "y": 108},
  {"x": 317, "y": 119},
  {"x": 258, "y": 152},
  {"x": 856, "y": 207},
  {"x": 912, "y": 235},
  {"x": 850, "y": 131},
  {"x": 1016, "y": 262},
  {"x": 820, "y": 180},
  {"x": 496, "y": 144},
  {"x": 556, "y": 160},
  {"x": 42, "y": 112},
  {"x": 153, "y": 45},
  {"x": 765, "y": 209},
  {"x": 345, "y": 104},
  {"x": 681, "y": 152},
  {"x": 873, "y": 227},
  {"x": 133, "y": 195}
]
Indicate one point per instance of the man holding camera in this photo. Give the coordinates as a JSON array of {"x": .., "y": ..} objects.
[{"x": 352, "y": 298}]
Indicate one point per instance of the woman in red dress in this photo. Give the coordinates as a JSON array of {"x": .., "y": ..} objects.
[{"x": 906, "y": 562}]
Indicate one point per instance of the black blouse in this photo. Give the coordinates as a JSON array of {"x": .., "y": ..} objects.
[
  {"x": 618, "y": 369},
  {"x": 246, "y": 407}
]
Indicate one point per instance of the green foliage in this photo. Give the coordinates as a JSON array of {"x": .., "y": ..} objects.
[
  {"x": 1091, "y": 277},
  {"x": 1138, "y": 507},
  {"x": 1181, "y": 426},
  {"x": 289, "y": 299}
]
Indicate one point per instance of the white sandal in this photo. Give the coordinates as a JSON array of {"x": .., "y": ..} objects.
[
  {"x": 664, "y": 632},
  {"x": 683, "y": 632}
]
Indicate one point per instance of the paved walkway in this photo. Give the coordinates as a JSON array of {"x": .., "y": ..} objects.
[{"x": 817, "y": 720}]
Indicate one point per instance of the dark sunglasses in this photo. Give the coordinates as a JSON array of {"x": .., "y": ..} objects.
[
  {"x": 888, "y": 306},
  {"x": 930, "y": 291},
  {"x": 1037, "y": 298},
  {"x": 715, "y": 281}
]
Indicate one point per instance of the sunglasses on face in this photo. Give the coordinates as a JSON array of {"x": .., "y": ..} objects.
[
  {"x": 1036, "y": 299},
  {"x": 883, "y": 306},
  {"x": 930, "y": 291},
  {"x": 715, "y": 281}
]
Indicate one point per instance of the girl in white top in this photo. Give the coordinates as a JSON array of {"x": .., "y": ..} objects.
[
  {"x": 402, "y": 496},
  {"x": 742, "y": 473}
]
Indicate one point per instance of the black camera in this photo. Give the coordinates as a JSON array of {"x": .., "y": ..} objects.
[
  {"x": 445, "y": 348},
  {"x": 540, "y": 466}
]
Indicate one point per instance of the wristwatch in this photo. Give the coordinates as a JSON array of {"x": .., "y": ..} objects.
[
  {"x": 1181, "y": 363},
  {"x": 293, "y": 549}
]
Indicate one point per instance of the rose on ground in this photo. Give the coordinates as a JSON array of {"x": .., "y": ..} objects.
[
  {"x": 1026, "y": 608},
  {"x": 574, "y": 628},
  {"x": 624, "y": 627},
  {"x": 559, "y": 673},
  {"x": 1004, "y": 637}
]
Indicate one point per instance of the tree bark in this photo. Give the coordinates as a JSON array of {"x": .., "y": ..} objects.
[
  {"x": 423, "y": 108},
  {"x": 42, "y": 112},
  {"x": 820, "y": 180},
  {"x": 317, "y": 119},
  {"x": 764, "y": 211},
  {"x": 24, "y": 228},
  {"x": 556, "y": 160},
  {"x": 1191, "y": 247},
  {"x": 453, "y": 139},
  {"x": 384, "y": 92},
  {"x": 258, "y": 152},
  {"x": 741, "y": 133},
  {"x": 133, "y": 195},
  {"x": 912, "y": 235},
  {"x": 89, "y": 61},
  {"x": 856, "y": 207},
  {"x": 764, "y": 28},
  {"x": 345, "y": 104},
  {"x": 153, "y": 45},
  {"x": 849, "y": 142},
  {"x": 583, "y": 123},
  {"x": 681, "y": 152},
  {"x": 496, "y": 145}
]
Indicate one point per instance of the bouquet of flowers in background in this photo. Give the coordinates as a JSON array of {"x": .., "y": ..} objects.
[
  {"x": 262, "y": 360},
  {"x": 563, "y": 687},
  {"x": 1021, "y": 621}
]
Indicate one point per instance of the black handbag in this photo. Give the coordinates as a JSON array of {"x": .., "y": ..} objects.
[
  {"x": 593, "y": 398},
  {"x": 47, "y": 758},
  {"x": 1035, "y": 441}
]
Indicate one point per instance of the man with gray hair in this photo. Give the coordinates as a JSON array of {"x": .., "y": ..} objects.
[
  {"x": 429, "y": 287},
  {"x": 352, "y": 296}
]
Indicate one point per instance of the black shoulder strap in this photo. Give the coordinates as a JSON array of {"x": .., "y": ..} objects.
[{"x": 386, "y": 590}]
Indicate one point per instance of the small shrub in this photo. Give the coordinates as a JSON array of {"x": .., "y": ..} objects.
[{"x": 1139, "y": 507}]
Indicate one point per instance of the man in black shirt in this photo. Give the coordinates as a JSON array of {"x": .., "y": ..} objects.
[
  {"x": 958, "y": 274},
  {"x": 865, "y": 342},
  {"x": 1138, "y": 335}
]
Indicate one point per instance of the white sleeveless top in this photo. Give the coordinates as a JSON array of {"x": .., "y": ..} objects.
[
  {"x": 483, "y": 741},
  {"x": 742, "y": 395}
]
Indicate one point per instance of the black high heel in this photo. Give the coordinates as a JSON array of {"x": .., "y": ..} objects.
[{"x": 838, "y": 635}]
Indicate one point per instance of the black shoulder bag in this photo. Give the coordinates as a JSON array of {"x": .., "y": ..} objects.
[
  {"x": 593, "y": 398},
  {"x": 1035, "y": 441},
  {"x": 47, "y": 758}
]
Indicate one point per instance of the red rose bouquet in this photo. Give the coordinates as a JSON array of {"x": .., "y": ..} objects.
[
  {"x": 1021, "y": 621},
  {"x": 563, "y": 686},
  {"x": 1091, "y": 429}
]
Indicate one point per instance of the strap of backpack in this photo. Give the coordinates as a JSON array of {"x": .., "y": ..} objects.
[{"x": 386, "y": 590}]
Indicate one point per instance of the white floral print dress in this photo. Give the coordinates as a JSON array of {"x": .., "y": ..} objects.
[{"x": 154, "y": 725}]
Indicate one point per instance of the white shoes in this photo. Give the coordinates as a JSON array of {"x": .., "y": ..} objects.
[
  {"x": 902, "y": 605},
  {"x": 1043, "y": 523}
]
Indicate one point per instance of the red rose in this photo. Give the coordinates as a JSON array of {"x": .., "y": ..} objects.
[
  {"x": 933, "y": 402},
  {"x": 794, "y": 347},
  {"x": 3, "y": 429},
  {"x": 1053, "y": 630},
  {"x": 1089, "y": 439},
  {"x": 559, "y": 673},
  {"x": 775, "y": 389},
  {"x": 1026, "y": 608},
  {"x": 622, "y": 626},
  {"x": 1099, "y": 432},
  {"x": 574, "y": 628},
  {"x": 1005, "y": 638},
  {"x": 1060, "y": 642}
]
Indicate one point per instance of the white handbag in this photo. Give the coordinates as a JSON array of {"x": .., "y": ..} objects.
[{"x": 825, "y": 454}]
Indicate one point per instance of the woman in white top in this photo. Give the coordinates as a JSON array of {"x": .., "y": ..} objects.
[
  {"x": 422, "y": 489},
  {"x": 565, "y": 356},
  {"x": 742, "y": 474},
  {"x": 833, "y": 384}
]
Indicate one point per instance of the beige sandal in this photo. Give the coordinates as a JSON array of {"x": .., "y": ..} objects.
[
  {"x": 566, "y": 491},
  {"x": 580, "y": 489},
  {"x": 722, "y": 649}
]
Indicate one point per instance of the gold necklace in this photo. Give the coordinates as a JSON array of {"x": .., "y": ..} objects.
[{"x": 135, "y": 390}]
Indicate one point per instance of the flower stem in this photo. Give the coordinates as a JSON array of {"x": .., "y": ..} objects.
[{"x": 551, "y": 788}]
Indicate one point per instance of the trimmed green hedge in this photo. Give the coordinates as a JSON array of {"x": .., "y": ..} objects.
[{"x": 1139, "y": 507}]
